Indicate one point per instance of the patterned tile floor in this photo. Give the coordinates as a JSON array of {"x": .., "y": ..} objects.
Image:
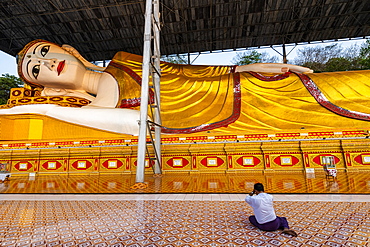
[
  {"x": 352, "y": 183},
  {"x": 177, "y": 222},
  {"x": 59, "y": 211}
]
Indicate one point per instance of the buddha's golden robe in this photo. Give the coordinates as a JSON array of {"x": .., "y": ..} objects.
[{"x": 213, "y": 98}]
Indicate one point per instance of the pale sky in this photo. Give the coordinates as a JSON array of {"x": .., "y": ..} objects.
[{"x": 8, "y": 64}]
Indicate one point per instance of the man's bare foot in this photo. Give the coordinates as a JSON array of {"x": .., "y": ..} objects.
[{"x": 290, "y": 232}]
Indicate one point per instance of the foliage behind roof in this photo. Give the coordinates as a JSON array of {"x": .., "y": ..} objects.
[{"x": 100, "y": 28}]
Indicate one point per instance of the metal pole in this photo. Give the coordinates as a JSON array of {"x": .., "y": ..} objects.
[
  {"x": 285, "y": 60},
  {"x": 157, "y": 85},
  {"x": 140, "y": 169}
]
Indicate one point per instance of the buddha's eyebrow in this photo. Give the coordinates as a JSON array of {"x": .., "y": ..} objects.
[
  {"x": 28, "y": 73},
  {"x": 34, "y": 50}
]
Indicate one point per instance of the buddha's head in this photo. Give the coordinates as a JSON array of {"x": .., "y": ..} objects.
[{"x": 46, "y": 64}]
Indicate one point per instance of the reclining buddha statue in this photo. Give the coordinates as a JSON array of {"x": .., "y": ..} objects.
[{"x": 218, "y": 99}]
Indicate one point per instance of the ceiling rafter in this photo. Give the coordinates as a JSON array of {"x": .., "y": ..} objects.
[{"x": 99, "y": 28}]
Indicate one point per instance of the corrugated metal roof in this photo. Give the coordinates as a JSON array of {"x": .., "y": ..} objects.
[{"x": 100, "y": 28}]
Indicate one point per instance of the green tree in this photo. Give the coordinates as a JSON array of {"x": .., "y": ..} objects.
[
  {"x": 364, "y": 57},
  {"x": 8, "y": 82},
  {"x": 315, "y": 66},
  {"x": 334, "y": 58},
  {"x": 316, "y": 57},
  {"x": 253, "y": 56},
  {"x": 338, "y": 64},
  {"x": 177, "y": 59}
]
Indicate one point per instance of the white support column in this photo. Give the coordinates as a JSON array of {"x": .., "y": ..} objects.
[
  {"x": 140, "y": 169},
  {"x": 157, "y": 86}
]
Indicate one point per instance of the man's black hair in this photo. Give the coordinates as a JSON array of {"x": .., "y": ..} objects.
[{"x": 259, "y": 187}]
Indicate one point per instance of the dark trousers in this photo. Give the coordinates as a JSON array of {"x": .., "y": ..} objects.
[{"x": 278, "y": 223}]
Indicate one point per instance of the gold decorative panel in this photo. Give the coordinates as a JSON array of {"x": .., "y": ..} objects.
[{"x": 193, "y": 153}]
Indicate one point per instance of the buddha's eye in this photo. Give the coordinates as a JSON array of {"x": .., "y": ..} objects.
[
  {"x": 36, "y": 71},
  {"x": 44, "y": 50}
]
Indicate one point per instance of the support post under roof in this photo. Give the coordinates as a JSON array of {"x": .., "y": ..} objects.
[{"x": 151, "y": 68}]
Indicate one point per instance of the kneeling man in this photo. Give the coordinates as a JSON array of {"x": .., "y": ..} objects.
[{"x": 265, "y": 217}]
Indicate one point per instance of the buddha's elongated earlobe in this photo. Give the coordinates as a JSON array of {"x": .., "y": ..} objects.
[{"x": 87, "y": 64}]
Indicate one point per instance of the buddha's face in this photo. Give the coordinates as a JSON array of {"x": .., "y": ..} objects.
[{"x": 49, "y": 65}]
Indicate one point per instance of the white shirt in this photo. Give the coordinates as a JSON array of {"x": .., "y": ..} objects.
[{"x": 262, "y": 206}]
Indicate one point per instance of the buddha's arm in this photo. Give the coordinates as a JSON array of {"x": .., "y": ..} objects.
[
  {"x": 66, "y": 92},
  {"x": 273, "y": 68},
  {"x": 107, "y": 92}
]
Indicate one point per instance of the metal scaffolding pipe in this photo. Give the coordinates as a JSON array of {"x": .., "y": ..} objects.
[
  {"x": 157, "y": 86},
  {"x": 140, "y": 168}
]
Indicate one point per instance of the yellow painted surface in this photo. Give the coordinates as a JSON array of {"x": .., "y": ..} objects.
[
  {"x": 21, "y": 128},
  {"x": 201, "y": 95},
  {"x": 35, "y": 129},
  {"x": 196, "y": 96},
  {"x": 193, "y": 95}
]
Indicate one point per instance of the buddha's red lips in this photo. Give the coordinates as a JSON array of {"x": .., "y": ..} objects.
[{"x": 61, "y": 66}]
